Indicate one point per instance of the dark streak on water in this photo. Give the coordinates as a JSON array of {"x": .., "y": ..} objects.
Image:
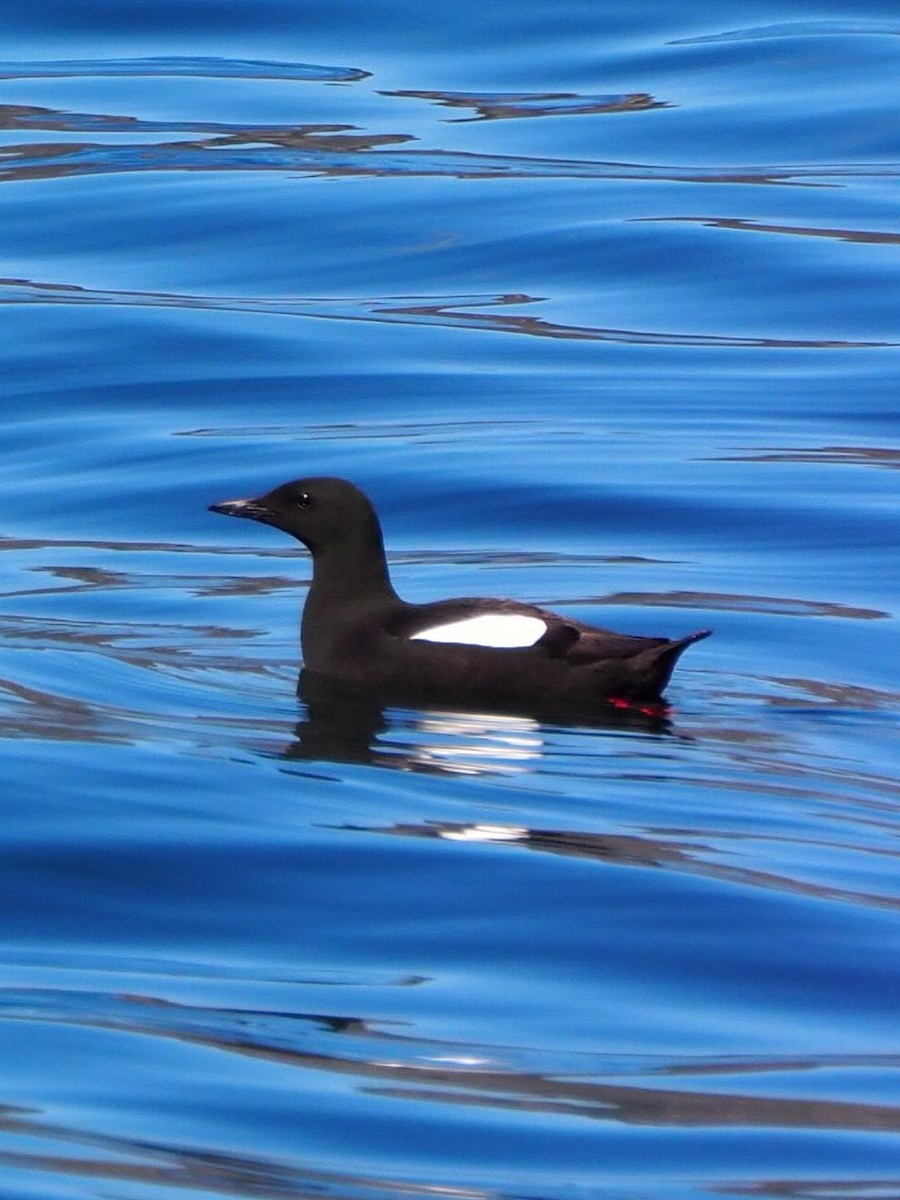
[
  {"x": 409, "y": 310},
  {"x": 292, "y": 151},
  {"x": 204, "y": 68},
  {"x": 264, "y": 938}
]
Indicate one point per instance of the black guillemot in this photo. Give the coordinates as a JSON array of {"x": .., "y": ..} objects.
[{"x": 355, "y": 627}]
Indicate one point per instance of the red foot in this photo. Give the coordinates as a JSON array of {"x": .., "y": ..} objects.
[{"x": 648, "y": 710}]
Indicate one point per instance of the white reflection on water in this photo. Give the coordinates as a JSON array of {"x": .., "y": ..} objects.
[{"x": 477, "y": 742}]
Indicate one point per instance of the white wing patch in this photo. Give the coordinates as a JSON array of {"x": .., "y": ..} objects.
[{"x": 502, "y": 631}]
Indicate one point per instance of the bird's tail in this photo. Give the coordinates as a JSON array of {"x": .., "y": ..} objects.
[
  {"x": 666, "y": 656},
  {"x": 682, "y": 643}
]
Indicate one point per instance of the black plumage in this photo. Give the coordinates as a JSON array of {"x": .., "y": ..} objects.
[{"x": 355, "y": 627}]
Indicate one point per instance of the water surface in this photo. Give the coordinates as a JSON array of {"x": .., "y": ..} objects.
[{"x": 599, "y": 304}]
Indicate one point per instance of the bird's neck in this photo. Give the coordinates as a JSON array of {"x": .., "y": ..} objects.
[
  {"x": 344, "y": 578},
  {"x": 354, "y": 569}
]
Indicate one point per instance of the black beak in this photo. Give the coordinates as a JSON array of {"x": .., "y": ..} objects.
[{"x": 253, "y": 509}]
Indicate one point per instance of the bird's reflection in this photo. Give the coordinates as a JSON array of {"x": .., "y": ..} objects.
[{"x": 343, "y": 723}]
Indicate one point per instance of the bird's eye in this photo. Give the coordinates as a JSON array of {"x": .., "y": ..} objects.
[{"x": 303, "y": 500}]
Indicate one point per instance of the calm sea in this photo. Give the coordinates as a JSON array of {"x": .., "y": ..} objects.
[{"x": 599, "y": 302}]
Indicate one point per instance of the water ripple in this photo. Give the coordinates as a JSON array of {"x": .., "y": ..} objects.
[
  {"x": 876, "y": 237},
  {"x": 446, "y": 311},
  {"x": 50, "y": 160},
  {"x": 692, "y": 856},
  {"x": 207, "y": 68},
  {"x": 101, "y": 1158},
  {"x": 861, "y": 27},
  {"x": 316, "y": 135},
  {"x": 503, "y": 106},
  {"x": 386, "y": 1063},
  {"x": 725, "y": 602},
  {"x": 852, "y": 456}
]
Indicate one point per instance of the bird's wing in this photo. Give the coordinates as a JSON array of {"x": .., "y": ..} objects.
[{"x": 471, "y": 621}]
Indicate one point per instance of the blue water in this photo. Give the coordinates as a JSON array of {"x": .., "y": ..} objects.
[{"x": 598, "y": 301}]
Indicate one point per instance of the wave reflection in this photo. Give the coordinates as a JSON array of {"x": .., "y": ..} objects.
[
  {"x": 684, "y": 855},
  {"x": 863, "y": 237},
  {"x": 503, "y": 106},
  {"x": 851, "y": 456},
  {"x": 402, "y": 1066},
  {"x": 264, "y": 151},
  {"x": 860, "y": 27},
  {"x": 445, "y": 311},
  {"x": 191, "y": 66},
  {"x": 314, "y": 136}
]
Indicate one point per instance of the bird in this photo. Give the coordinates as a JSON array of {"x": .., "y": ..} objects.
[{"x": 356, "y": 629}]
